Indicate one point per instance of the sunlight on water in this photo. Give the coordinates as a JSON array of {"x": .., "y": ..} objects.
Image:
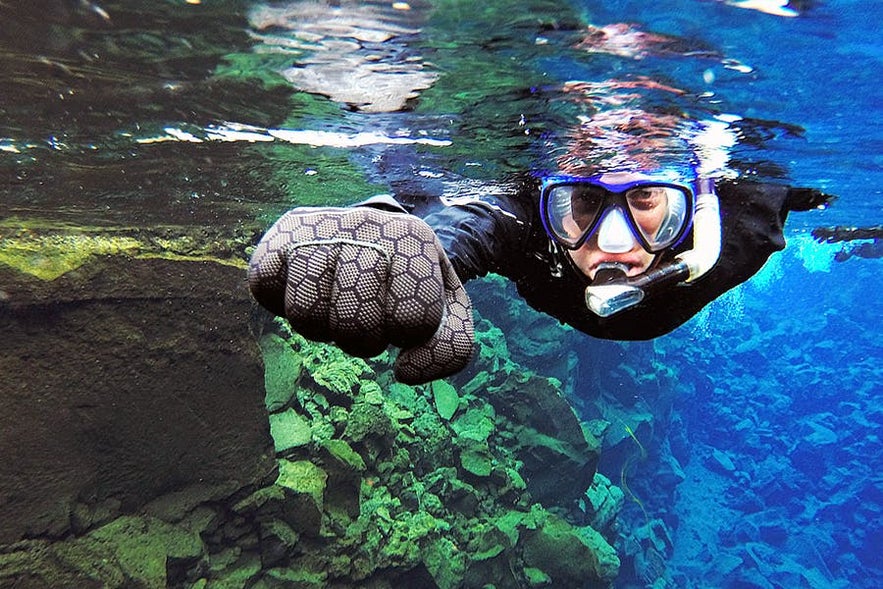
[
  {"x": 773, "y": 270},
  {"x": 230, "y": 132},
  {"x": 815, "y": 257}
]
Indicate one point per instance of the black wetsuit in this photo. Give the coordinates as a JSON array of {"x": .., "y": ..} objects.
[{"x": 503, "y": 234}]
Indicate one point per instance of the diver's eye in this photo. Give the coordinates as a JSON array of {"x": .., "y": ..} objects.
[{"x": 645, "y": 199}]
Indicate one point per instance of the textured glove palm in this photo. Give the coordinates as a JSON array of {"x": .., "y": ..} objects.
[{"x": 366, "y": 278}]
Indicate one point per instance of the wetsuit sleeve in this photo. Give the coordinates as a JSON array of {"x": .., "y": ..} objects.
[{"x": 481, "y": 237}]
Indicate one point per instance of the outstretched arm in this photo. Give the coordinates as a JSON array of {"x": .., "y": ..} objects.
[{"x": 484, "y": 236}]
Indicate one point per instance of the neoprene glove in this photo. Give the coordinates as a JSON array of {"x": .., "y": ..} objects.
[{"x": 366, "y": 278}]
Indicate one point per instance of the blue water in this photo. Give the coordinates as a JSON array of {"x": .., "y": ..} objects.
[
  {"x": 767, "y": 466},
  {"x": 762, "y": 416}
]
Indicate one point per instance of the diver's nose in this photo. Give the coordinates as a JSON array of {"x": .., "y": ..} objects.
[{"x": 614, "y": 235}]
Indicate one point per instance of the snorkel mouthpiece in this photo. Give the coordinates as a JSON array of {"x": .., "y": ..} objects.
[{"x": 610, "y": 291}]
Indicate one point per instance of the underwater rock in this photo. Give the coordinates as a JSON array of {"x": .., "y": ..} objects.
[
  {"x": 570, "y": 556},
  {"x": 127, "y": 552},
  {"x": 378, "y": 488},
  {"x": 343, "y": 456},
  {"x": 476, "y": 424},
  {"x": 720, "y": 462},
  {"x": 277, "y": 540},
  {"x": 125, "y": 378},
  {"x": 446, "y": 399},
  {"x": 289, "y": 430},
  {"x": 445, "y": 563},
  {"x": 291, "y": 578},
  {"x": 304, "y": 485},
  {"x": 367, "y": 420},
  {"x": 282, "y": 367},
  {"x": 344, "y": 467},
  {"x": 335, "y": 374},
  {"x": 536, "y": 577},
  {"x": 477, "y": 459},
  {"x": 550, "y": 440},
  {"x": 605, "y": 501}
]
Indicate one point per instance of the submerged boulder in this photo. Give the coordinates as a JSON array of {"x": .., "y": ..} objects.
[
  {"x": 550, "y": 441},
  {"x": 569, "y": 555}
]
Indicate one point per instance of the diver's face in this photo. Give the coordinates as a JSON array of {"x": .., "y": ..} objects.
[{"x": 614, "y": 243}]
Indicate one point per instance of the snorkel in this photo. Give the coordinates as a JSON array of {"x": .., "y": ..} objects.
[{"x": 612, "y": 291}]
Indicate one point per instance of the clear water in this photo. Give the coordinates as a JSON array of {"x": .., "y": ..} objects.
[{"x": 766, "y": 453}]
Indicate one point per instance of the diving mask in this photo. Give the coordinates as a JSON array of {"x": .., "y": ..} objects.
[{"x": 657, "y": 214}]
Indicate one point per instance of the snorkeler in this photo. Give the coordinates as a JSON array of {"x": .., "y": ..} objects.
[{"x": 619, "y": 255}]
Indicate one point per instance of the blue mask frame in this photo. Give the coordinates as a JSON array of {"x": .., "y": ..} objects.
[{"x": 614, "y": 194}]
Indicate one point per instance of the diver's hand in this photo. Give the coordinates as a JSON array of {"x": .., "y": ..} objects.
[{"x": 366, "y": 278}]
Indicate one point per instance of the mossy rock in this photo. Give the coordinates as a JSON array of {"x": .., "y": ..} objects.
[
  {"x": 305, "y": 484},
  {"x": 241, "y": 573},
  {"x": 445, "y": 563},
  {"x": 302, "y": 476},
  {"x": 334, "y": 371},
  {"x": 289, "y": 430},
  {"x": 50, "y": 256},
  {"x": 370, "y": 392},
  {"x": 476, "y": 459},
  {"x": 445, "y": 398},
  {"x": 282, "y": 368},
  {"x": 488, "y": 542},
  {"x": 571, "y": 556},
  {"x": 536, "y": 577},
  {"x": 476, "y": 424},
  {"x": 130, "y": 551},
  {"x": 266, "y": 500},
  {"x": 277, "y": 542},
  {"x": 291, "y": 578},
  {"x": 368, "y": 420},
  {"x": 343, "y": 456}
]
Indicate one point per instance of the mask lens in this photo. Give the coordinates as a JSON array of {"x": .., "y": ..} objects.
[
  {"x": 659, "y": 213},
  {"x": 572, "y": 210}
]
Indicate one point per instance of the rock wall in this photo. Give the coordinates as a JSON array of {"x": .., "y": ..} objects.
[{"x": 122, "y": 380}]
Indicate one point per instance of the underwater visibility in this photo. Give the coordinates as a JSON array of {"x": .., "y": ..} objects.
[{"x": 633, "y": 342}]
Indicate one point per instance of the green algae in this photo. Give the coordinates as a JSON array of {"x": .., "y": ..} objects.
[
  {"x": 477, "y": 424},
  {"x": 477, "y": 459},
  {"x": 302, "y": 476},
  {"x": 282, "y": 368},
  {"x": 51, "y": 256},
  {"x": 47, "y": 250},
  {"x": 446, "y": 399},
  {"x": 289, "y": 430},
  {"x": 568, "y": 554},
  {"x": 445, "y": 563},
  {"x": 328, "y": 366},
  {"x": 343, "y": 454},
  {"x": 113, "y": 555}
]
